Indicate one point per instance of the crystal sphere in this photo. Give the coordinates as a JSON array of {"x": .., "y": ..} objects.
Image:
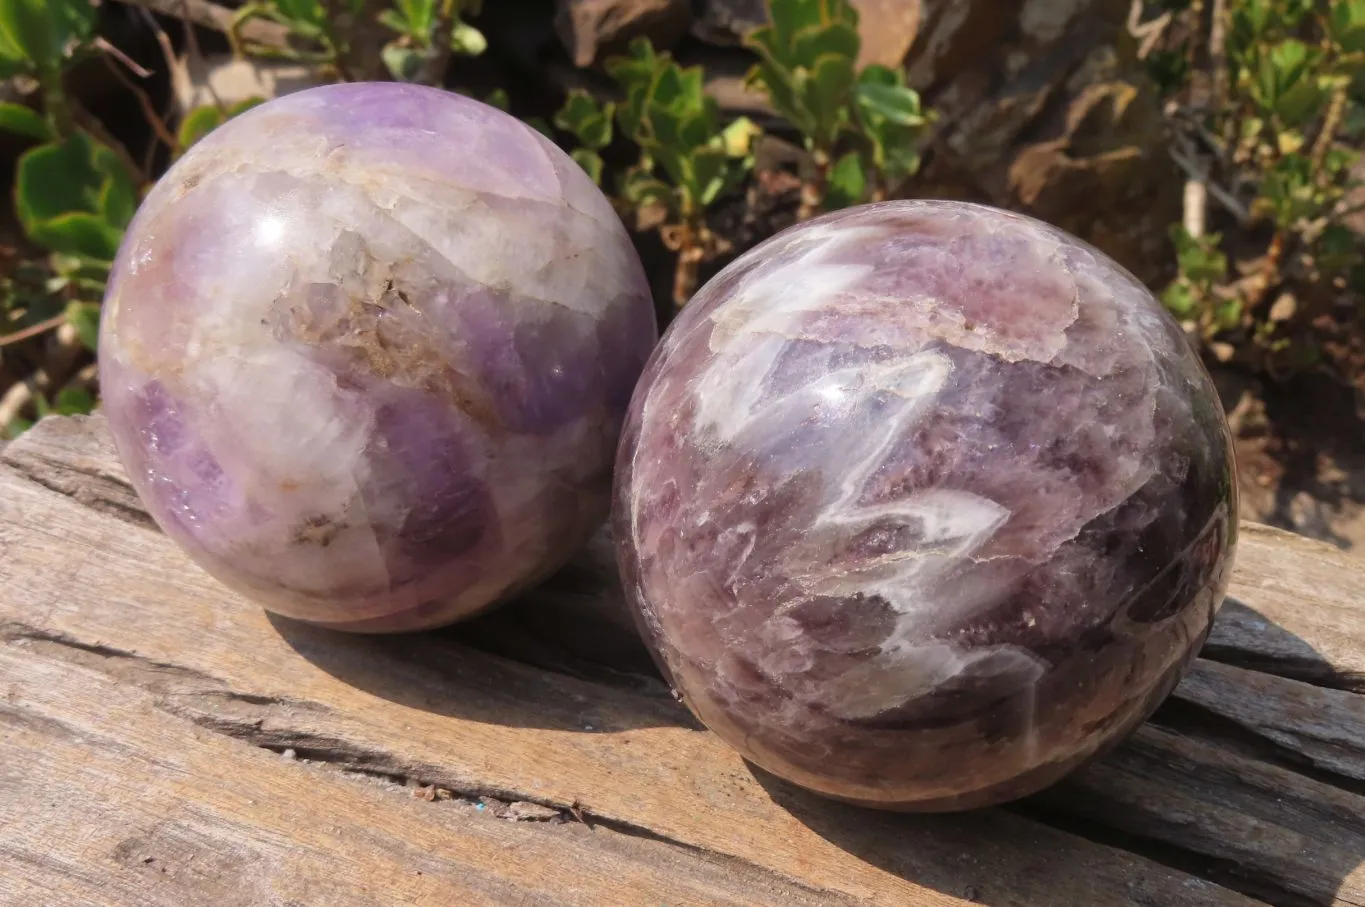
[
  {"x": 365, "y": 353},
  {"x": 921, "y": 505}
]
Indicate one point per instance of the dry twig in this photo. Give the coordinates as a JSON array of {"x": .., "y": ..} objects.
[
  {"x": 211, "y": 15},
  {"x": 153, "y": 118},
  {"x": 1183, "y": 152},
  {"x": 33, "y": 330},
  {"x": 174, "y": 65},
  {"x": 1146, "y": 33},
  {"x": 93, "y": 125}
]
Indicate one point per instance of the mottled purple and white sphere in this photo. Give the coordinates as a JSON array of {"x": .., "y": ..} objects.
[
  {"x": 366, "y": 351},
  {"x": 923, "y": 504}
]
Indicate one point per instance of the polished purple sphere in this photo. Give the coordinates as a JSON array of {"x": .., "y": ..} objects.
[
  {"x": 922, "y": 505},
  {"x": 366, "y": 351}
]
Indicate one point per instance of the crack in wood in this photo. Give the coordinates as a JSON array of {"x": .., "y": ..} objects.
[
  {"x": 72, "y": 649},
  {"x": 96, "y": 490},
  {"x": 344, "y": 756}
]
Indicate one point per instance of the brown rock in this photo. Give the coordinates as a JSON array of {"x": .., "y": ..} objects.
[
  {"x": 593, "y": 29},
  {"x": 888, "y": 27},
  {"x": 1045, "y": 109}
]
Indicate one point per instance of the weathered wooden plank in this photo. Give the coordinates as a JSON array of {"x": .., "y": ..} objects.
[
  {"x": 1315, "y": 726},
  {"x": 1296, "y": 608},
  {"x": 432, "y": 708},
  {"x": 84, "y": 581},
  {"x": 108, "y": 800},
  {"x": 1289, "y": 839}
]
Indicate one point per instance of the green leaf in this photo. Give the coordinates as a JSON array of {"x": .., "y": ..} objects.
[
  {"x": 73, "y": 20},
  {"x": 56, "y": 178},
  {"x": 642, "y": 188},
  {"x": 1228, "y": 314},
  {"x": 242, "y": 106},
  {"x": 737, "y": 139},
  {"x": 791, "y": 16},
  {"x": 876, "y": 74},
  {"x": 419, "y": 17},
  {"x": 813, "y": 43},
  {"x": 1179, "y": 298},
  {"x": 588, "y": 121},
  {"x": 203, "y": 120},
  {"x": 309, "y": 13},
  {"x": 85, "y": 318},
  {"x": 30, "y": 26},
  {"x": 24, "y": 121},
  {"x": 13, "y": 60},
  {"x": 637, "y": 67},
  {"x": 1348, "y": 24},
  {"x": 903, "y": 158},
  {"x": 405, "y": 64},
  {"x": 395, "y": 21},
  {"x": 1288, "y": 190},
  {"x": 198, "y": 123},
  {"x": 1285, "y": 82},
  {"x": 781, "y": 90},
  {"x": 498, "y": 98},
  {"x": 590, "y": 161},
  {"x": 1339, "y": 161},
  {"x": 467, "y": 40},
  {"x": 78, "y": 233},
  {"x": 116, "y": 198},
  {"x": 895, "y": 103},
  {"x": 74, "y": 197},
  {"x": 847, "y": 183},
  {"x": 827, "y": 97},
  {"x": 1199, "y": 259},
  {"x": 74, "y": 401},
  {"x": 716, "y": 174}
]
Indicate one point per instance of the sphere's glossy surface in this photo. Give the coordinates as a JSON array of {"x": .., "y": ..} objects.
[
  {"x": 366, "y": 351},
  {"x": 923, "y": 504}
]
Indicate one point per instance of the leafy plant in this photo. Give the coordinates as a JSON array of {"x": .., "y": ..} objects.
[
  {"x": 200, "y": 121},
  {"x": 590, "y": 123},
  {"x": 854, "y": 123},
  {"x": 38, "y": 39},
  {"x": 1197, "y": 295},
  {"x": 325, "y": 33},
  {"x": 320, "y": 31},
  {"x": 428, "y": 32},
  {"x": 687, "y": 160},
  {"x": 73, "y": 194},
  {"x": 892, "y": 123},
  {"x": 74, "y": 197},
  {"x": 1280, "y": 137}
]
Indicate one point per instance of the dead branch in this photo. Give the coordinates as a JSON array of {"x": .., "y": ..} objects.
[{"x": 219, "y": 18}]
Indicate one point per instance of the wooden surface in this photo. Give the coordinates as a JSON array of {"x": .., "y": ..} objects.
[{"x": 163, "y": 742}]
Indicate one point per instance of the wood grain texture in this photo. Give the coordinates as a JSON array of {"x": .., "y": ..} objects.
[{"x": 136, "y": 686}]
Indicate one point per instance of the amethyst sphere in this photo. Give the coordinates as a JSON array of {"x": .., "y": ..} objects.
[
  {"x": 923, "y": 504},
  {"x": 366, "y": 351}
]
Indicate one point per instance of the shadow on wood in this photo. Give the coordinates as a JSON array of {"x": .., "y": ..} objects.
[
  {"x": 139, "y": 688},
  {"x": 1261, "y": 795}
]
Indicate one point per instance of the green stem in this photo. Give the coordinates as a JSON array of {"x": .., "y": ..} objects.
[{"x": 54, "y": 102}]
